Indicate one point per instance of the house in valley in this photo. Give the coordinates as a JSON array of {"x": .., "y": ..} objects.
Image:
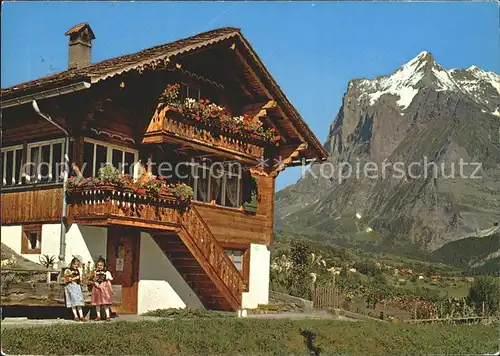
[{"x": 197, "y": 131}]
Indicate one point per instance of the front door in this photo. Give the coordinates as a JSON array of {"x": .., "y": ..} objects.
[{"x": 123, "y": 263}]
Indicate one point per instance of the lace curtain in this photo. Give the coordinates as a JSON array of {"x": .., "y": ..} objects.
[
  {"x": 232, "y": 194},
  {"x": 202, "y": 185},
  {"x": 216, "y": 185}
]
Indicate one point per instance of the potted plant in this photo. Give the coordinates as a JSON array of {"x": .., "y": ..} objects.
[{"x": 48, "y": 262}]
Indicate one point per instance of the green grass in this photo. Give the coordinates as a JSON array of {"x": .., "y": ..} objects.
[
  {"x": 235, "y": 336},
  {"x": 444, "y": 288}
]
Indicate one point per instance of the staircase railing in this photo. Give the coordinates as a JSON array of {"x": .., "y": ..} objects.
[{"x": 220, "y": 268}]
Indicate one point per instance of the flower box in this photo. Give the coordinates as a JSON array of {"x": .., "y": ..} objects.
[{"x": 208, "y": 116}]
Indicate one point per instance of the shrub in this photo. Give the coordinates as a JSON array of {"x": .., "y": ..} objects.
[{"x": 485, "y": 290}]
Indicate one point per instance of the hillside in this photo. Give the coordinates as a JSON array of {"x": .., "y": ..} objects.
[
  {"x": 478, "y": 254},
  {"x": 422, "y": 147}
]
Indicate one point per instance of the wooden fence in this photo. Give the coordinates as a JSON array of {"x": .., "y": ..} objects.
[
  {"x": 460, "y": 320},
  {"x": 327, "y": 296}
]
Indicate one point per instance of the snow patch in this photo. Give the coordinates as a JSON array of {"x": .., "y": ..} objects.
[
  {"x": 489, "y": 77},
  {"x": 403, "y": 82},
  {"x": 444, "y": 80},
  {"x": 400, "y": 83},
  {"x": 406, "y": 96}
]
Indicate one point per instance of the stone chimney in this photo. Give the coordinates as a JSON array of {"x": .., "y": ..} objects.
[{"x": 80, "y": 45}]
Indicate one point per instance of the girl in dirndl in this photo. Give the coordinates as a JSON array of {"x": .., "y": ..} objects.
[
  {"x": 73, "y": 290},
  {"x": 101, "y": 289}
]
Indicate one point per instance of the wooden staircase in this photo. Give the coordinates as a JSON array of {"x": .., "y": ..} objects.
[{"x": 203, "y": 263}]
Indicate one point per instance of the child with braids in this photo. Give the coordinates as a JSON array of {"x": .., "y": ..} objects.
[
  {"x": 101, "y": 289},
  {"x": 73, "y": 290}
]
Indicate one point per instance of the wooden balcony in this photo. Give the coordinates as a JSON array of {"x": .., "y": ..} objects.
[
  {"x": 163, "y": 216},
  {"x": 110, "y": 206},
  {"x": 168, "y": 125}
]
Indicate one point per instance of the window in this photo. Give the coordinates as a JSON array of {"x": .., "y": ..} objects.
[
  {"x": 31, "y": 239},
  {"x": 218, "y": 183},
  {"x": 11, "y": 163},
  {"x": 232, "y": 188},
  {"x": 45, "y": 161},
  {"x": 202, "y": 184},
  {"x": 96, "y": 154},
  {"x": 237, "y": 257},
  {"x": 187, "y": 91}
]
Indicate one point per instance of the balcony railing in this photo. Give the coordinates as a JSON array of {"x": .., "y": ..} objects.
[
  {"x": 108, "y": 202},
  {"x": 169, "y": 122},
  {"x": 109, "y": 205}
]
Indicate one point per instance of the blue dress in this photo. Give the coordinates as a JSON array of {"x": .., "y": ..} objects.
[{"x": 73, "y": 291}]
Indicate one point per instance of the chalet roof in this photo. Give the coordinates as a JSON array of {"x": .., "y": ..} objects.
[
  {"x": 111, "y": 67},
  {"x": 151, "y": 56}
]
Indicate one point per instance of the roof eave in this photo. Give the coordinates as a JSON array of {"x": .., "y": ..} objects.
[
  {"x": 299, "y": 123},
  {"x": 96, "y": 77}
]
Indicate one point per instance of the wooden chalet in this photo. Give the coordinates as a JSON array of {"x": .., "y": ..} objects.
[{"x": 200, "y": 102}]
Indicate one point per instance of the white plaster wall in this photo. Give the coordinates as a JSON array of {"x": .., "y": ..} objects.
[
  {"x": 87, "y": 241},
  {"x": 160, "y": 285},
  {"x": 50, "y": 241},
  {"x": 258, "y": 292},
  {"x": 11, "y": 236}
]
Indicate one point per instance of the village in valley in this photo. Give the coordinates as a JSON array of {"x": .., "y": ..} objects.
[{"x": 152, "y": 202}]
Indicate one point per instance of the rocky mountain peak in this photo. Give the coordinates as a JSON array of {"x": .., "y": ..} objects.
[
  {"x": 420, "y": 111},
  {"x": 423, "y": 71},
  {"x": 424, "y": 61}
]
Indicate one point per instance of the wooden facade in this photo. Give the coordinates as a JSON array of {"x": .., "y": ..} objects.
[
  {"x": 120, "y": 118},
  {"x": 31, "y": 206}
]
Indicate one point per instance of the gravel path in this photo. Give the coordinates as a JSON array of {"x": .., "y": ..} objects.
[{"x": 25, "y": 322}]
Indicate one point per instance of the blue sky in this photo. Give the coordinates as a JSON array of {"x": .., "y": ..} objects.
[{"x": 312, "y": 48}]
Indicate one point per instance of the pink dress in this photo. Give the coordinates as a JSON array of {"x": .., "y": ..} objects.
[{"x": 103, "y": 294}]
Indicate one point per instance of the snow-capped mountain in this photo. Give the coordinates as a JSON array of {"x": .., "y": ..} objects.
[
  {"x": 420, "y": 112},
  {"x": 423, "y": 72}
]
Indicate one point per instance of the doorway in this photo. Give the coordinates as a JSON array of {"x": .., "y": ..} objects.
[{"x": 123, "y": 262}]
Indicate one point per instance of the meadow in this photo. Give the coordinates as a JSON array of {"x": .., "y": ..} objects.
[{"x": 244, "y": 336}]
